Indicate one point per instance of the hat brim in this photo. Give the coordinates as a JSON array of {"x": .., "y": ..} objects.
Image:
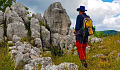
[{"x": 80, "y": 9}]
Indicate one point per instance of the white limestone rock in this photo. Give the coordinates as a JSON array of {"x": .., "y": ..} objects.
[
  {"x": 45, "y": 36},
  {"x": 16, "y": 38},
  {"x": 38, "y": 42},
  {"x": 1, "y": 33},
  {"x": 16, "y": 28}
]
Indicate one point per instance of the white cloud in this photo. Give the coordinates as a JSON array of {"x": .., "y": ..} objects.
[{"x": 102, "y": 13}]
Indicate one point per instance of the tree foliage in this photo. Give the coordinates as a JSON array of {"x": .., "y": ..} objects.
[{"x": 6, "y": 3}]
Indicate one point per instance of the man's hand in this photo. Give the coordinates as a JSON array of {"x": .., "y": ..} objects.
[{"x": 74, "y": 32}]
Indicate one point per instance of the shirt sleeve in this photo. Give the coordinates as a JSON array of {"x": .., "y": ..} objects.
[{"x": 77, "y": 26}]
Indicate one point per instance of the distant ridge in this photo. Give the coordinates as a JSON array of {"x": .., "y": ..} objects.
[{"x": 112, "y": 32}]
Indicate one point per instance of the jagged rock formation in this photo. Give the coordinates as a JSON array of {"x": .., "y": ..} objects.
[
  {"x": 59, "y": 23},
  {"x": 15, "y": 21},
  {"x": 57, "y": 19},
  {"x": 32, "y": 57}
]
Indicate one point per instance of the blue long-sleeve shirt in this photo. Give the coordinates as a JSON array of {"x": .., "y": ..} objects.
[{"x": 79, "y": 22}]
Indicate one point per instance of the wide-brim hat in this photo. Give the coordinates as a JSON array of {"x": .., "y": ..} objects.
[{"x": 82, "y": 8}]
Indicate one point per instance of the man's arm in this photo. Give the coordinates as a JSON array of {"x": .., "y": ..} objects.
[{"x": 77, "y": 26}]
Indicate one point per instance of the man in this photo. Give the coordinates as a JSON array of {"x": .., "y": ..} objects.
[{"x": 81, "y": 40}]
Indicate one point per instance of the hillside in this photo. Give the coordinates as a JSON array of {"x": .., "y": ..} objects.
[{"x": 109, "y": 32}]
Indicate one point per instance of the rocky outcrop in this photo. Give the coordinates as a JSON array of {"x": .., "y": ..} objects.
[
  {"x": 59, "y": 23},
  {"x": 32, "y": 58},
  {"x": 16, "y": 28},
  {"x": 14, "y": 17},
  {"x": 24, "y": 52},
  {"x": 57, "y": 19}
]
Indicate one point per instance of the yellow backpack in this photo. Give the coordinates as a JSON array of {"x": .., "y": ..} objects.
[{"x": 87, "y": 23}]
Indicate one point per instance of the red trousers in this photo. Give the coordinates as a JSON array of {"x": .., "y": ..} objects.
[{"x": 81, "y": 50}]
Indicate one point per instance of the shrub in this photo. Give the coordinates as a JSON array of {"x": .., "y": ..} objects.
[
  {"x": 56, "y": 50},
  {"x": 6, "y": 3}
]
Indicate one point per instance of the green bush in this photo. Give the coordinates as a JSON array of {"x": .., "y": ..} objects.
[
  {"x": 56, "y": 50},
  {"x": 26, "y": 8},
  {"x": 6, "y": 3}
]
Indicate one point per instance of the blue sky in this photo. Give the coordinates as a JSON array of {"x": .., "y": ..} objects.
[
  {"x": 104, "y": 13},
  {"x": 107, "y": 0}
]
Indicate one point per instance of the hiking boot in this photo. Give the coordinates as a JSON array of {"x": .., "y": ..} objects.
[{"x": 84, "y": 63}]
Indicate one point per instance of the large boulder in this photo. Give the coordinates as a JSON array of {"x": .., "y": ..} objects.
[
  {"x": 19, "y": 9},
  {"x": 45, "y": 34},
  {"x": 16, "y": 28},
  {"x": 11, "y": 16},
  {"x": 1, "y": 17},
  {"x": 57, "y": 19},
  {"x": 1, "y": 33}
]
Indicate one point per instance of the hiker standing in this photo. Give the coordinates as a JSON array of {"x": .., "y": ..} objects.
[{"x": 81, "y": 37}]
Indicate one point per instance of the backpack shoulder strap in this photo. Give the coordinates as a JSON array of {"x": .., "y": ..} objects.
[{"x": 85, "y": 16}]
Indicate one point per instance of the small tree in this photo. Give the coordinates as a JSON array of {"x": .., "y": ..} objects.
[{"x": 6, "y": 3}]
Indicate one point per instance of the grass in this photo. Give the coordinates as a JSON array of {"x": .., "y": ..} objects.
[
  {"x": 106, "y": 62},
  {"x": 6, "y": 62}
]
